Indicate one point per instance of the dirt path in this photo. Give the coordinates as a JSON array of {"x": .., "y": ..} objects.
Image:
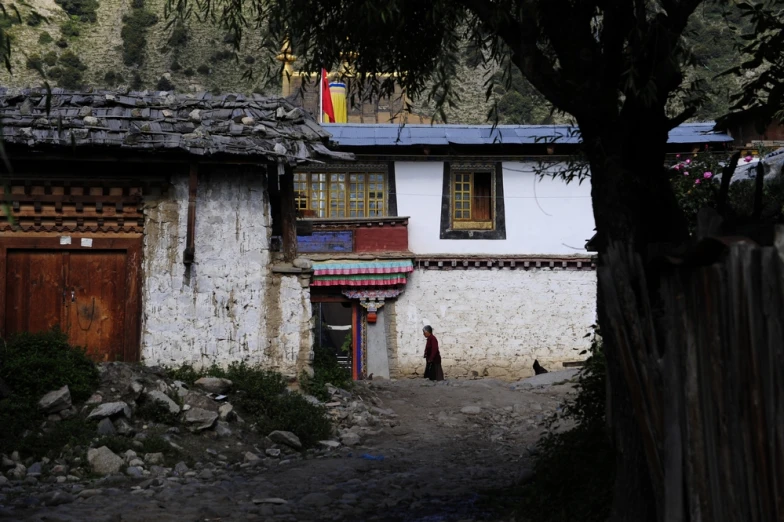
[{"x": 453, "y": 441}]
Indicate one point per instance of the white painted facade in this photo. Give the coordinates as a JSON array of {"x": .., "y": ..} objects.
[
  {"x": 543, "y": 216},
  {"x": 495, "y": 322},
  {"x": 227, "y": 307},
  {"x": 231, "y": 306}
]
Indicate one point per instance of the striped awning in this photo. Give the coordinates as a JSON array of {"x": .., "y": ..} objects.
[{"x": 362, "y": 273}]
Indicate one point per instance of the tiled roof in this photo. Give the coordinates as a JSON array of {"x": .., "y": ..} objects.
[
  {"x": 200, "y": 124},
  {"x": 359, "y": 135}
]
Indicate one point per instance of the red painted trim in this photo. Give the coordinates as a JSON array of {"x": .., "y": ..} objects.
[{"x": 354, "y": 326}]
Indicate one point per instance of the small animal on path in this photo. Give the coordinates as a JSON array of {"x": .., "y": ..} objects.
[{"x": 538, "y": 369}]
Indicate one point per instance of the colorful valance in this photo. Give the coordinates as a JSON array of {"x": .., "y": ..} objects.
[{"x": 362, "y": 273}]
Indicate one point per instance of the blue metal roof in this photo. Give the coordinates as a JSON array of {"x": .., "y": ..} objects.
[{"x": 380, "y": 134}]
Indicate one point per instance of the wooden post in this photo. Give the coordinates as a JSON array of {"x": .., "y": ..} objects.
[
  {"x": 190, "y": 237},
  {"x": 288, "y": 214},
  {"x": 759, "y": 185}
]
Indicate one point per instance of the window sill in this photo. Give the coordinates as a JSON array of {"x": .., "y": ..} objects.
[{"x": 473, "y": 225}]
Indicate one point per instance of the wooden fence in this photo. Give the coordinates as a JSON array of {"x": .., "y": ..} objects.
[{"x": 708, "y": 391}]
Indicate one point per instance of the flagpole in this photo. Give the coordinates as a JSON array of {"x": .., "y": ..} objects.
[{"x": 321, "y": 98}]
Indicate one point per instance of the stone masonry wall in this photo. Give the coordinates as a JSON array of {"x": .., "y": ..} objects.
[
  {"x": 227, "y": 306},
  {"x": 495, "y": 322}
]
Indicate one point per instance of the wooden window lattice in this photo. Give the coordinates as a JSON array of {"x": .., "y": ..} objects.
[{"x": 340, "y": 194}]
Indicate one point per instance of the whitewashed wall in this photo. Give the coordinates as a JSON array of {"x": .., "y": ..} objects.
[
  {"x": 495, "y": 322},
  {"x": 216, "y": 311},
  {"x": 543, "y": 217}
]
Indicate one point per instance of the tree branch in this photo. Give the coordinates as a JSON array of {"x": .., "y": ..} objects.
[
  {"x": 682, "y": 117},
  {"x": 522, "y": 38},
  {"x": 724, "y": 190}
]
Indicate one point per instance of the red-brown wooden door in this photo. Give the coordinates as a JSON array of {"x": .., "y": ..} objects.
[{"x": 82, "y": 292}]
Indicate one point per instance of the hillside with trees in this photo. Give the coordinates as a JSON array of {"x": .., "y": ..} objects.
[{"x": 128, "y": 44}]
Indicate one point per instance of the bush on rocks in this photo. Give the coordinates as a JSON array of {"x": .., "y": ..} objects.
[
  {"x": 32, "y": 365},
  {"x": 262, "y": 399}
]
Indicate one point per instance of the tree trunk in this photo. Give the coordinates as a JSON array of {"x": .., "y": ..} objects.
[
  {"x": 633, "y": 204},
  {"x": 288, "y": 212}
]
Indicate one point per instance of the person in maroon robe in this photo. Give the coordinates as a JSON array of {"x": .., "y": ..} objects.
[{"x": 433, "y": 370}]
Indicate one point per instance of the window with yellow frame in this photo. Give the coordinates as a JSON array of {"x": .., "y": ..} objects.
[
  {"x": 342, "y": 194},
  {"x": 473, "y": 199}
]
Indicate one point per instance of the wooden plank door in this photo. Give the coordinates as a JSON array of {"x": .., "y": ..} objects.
[
  {"x": 95, "y": 302},
  {"x": 33, "y": 291}
]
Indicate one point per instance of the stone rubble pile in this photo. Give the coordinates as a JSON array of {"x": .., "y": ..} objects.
[
  {"x": 199, "y": 422},
  {"x": 357, "y": 418}
]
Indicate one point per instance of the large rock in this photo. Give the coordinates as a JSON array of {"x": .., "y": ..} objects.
[
  {"x": 105, "y": 427},
  {"x": 214, "y": 384},
  {"x": 226, "y": 412},
  {"x": 103, "y": 461},
  {"x": 56, "y": 401},
  {"x": 110, "y": 409},
  {"x": 199, "y": 400},
  {"x": 162, "y": 398},
  {"x": 200, "y": 419},
  {"x": 286, "y": 438}
]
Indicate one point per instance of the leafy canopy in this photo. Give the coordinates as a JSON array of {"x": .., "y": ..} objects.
[{"x": 585, "y": 56}]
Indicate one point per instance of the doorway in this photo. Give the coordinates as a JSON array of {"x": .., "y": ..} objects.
[
  {"x": 337, "y": 328},
  {"x": 91, "y": 295}
]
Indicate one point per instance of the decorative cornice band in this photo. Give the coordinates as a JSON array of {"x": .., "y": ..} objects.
[{"x": 506, "y": 263}]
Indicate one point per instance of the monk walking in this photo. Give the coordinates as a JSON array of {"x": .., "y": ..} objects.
[{"x": 433, "y": 370}]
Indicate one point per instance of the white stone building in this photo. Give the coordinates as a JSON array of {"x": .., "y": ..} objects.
[
  {"x": 164, "y": 229},
  {"x": 496, "y": 243}
]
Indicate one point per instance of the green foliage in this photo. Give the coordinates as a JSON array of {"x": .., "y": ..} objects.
[
  {"x": 221, "y": 56},
  {"x": 35, "y": 19},
  {"x": 34, "y": 62},
  {"x": 164, "y": 84},
  {"x": 50, "y": 58},
  {"x": 70, "y": 29},
  {"x": 84, "y": 10},
  {"x": 575, "y": 469},
  {"x": 61, "y": 43},
  {"x": 70, "y": 59},
  {"x": 156, "y": 412},
  {"x": 188, "y": 72},
  {"x": 32, "y": 365},
  {"x": 150, "y": 444},
  {"x": 112, "y": 78},
  {"x": 72, "y": 432},
  {"x": 70, "y": 72},
  {"x": 203, "y": 69},
  {"x": 762, "y": 71},
  {"x": 134, "y": 33},
  {"x": 693, "y": 180},
  {"x": 326, "y": 370},
  {"x": 179, "y": 36},
  {"x": 45, "y": 38},
  {"x": 175, "y": 66},
  {"x": 137, "y": 83},
  {"x": 261, "y": 395},
  {"x": 250, "y": 60}
]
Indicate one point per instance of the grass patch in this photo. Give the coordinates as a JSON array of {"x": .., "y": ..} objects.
[
  {"x": 32, "y": 365},
  {"x": 326, "y": 370},
  {"x": 575, "y": 470},
  {"x": 261, "y": 396}
]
